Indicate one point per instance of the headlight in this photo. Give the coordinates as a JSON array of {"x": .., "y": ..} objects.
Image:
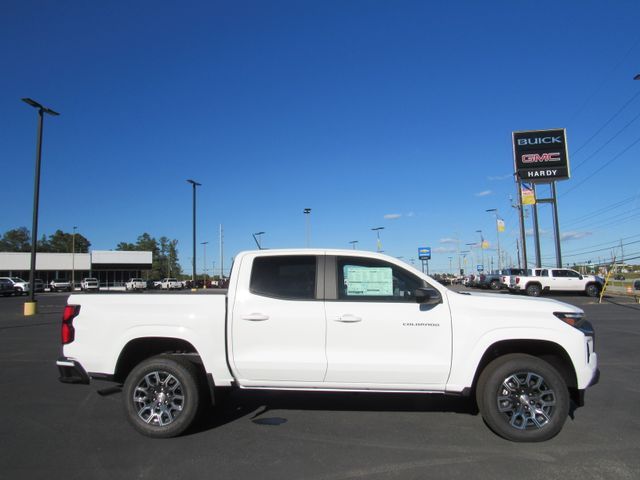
[{"x": 574, "y": 319}]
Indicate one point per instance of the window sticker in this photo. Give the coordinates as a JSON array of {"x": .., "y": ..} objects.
[{"x": 368, "y": 281}]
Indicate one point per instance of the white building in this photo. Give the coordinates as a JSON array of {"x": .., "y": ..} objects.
[{"x": 108, "y": 266}]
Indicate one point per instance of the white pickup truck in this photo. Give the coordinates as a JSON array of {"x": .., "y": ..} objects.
[
  {"x": 332, "y": 320},
  {"x": 556, "y": 280},
  {"x": 135, "y": 284}
]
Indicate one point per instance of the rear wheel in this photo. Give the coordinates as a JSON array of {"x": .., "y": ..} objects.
[
  {"x": 534, "y": 290},
  {"x": 522, "y": 398},
  {"x": 495, "y": 285},
  {"x": 162, "y": 396}
]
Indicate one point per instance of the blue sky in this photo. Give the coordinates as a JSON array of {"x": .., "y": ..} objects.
[{"x": 395, "y": 114}]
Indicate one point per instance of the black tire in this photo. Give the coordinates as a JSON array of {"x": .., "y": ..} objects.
[
  {"x": 172, "y": 381},
  {"x": 534, "y": 290},
  {"x": 592, "y": 290},
  {"x": 494, "y": 285},
  {"x": 522, "y": 398}
]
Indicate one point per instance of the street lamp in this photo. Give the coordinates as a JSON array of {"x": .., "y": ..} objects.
[
  {"x": 307, "y": 214},
  {"x": 379, "y": 245},
  {"x": 73, "y": 259},
  {"x": 353, "y": 243},
  {"x": 30, "y": 306},
  {"x": 204, "y": 257},
  {"x": 257, "y": 238},
  {"x": 194, "y": 184},
  {"x": 495, "y": 210}
]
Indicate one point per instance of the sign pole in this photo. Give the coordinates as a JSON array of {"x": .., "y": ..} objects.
[
  {"x": 523, "y": 239},
  {"x": 536, "y": 229},
  {"x": 556, "y": 225}
]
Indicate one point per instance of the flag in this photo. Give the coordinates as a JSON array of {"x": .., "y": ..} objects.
[
  {"x": 528, "y": 197},
  {"x": 500, "y": 225}
]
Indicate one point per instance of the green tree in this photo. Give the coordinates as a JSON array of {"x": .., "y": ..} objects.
[
  {"x": 16, "y": 240},
  {"x": 62, "y": 242},
  {"x": 164, "y": 254}
]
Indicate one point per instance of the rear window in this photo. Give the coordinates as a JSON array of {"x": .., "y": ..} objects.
[{"x": 287, "y": 277}]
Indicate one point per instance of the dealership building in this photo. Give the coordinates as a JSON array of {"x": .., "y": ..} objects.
[{"x": 111, "y": 268}]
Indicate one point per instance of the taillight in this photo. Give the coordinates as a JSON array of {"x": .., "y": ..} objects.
[
  {"x": 68, "y": 333},
  {"x": 517, "y": 280}
]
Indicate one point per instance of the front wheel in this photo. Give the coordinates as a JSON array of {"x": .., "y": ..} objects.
[
  {"x": 522, "y": 398},
  {"x": 592, "y": 290},
  {"x": 161, "y": 396}
]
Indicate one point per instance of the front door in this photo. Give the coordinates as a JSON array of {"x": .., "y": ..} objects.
[{"x": 378, "y": 335}]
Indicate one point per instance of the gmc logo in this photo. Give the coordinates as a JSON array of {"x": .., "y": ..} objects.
[
  {"x": 539, "y": 141},
  {"x": 541, "y": 157}
]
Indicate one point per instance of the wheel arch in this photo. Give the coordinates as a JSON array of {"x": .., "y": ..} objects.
[
  {"x": 140, "y": 349},
  {"x": 552, "y": 353}
]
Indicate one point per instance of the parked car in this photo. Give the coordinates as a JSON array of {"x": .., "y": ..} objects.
[
  {"x": 556, "y": 280},
  {"x": 38, "y": 285},
  {"x": 60, "y": 285},
  {"x": 619, "y": 277},
  {"x": 369, "y": 324},
  {"x": 20, "y": 286},
  {"x": 170, "y": 284},
  {"x": 135, "y": 284},
  {"x": 90, "y": 285},
  {"x": 6, "y": 287}
]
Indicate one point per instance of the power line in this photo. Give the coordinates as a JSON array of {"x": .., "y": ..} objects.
[
  {"x": 607, "y": 142},
  {"x": 604, "y": 209},
  {"x": 633, "y": 144},
  {"x": 599, "y": 245},
  {"x": 606, "y": 123}
]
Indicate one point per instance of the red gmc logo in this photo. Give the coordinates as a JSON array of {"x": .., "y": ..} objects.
[{"x": 541, "y": 157}]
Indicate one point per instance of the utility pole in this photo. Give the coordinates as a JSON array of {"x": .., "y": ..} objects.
[
  {"x": 221, "y": 254},
  {"x": 307, "y": 214}
]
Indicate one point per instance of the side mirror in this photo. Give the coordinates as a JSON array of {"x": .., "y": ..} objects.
[
  {"x": 581, "y": 277},
  {"x": 427, "y": 296}
]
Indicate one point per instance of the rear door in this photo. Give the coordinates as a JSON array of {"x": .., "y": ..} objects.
[
  {"x": 278, "y": 322},
  {"x": 377, "y": 335}
]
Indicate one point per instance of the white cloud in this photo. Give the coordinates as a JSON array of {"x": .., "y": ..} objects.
[
  {"x": 411, "y": 214},
  {"x": 500, "y": 177},
  {"x": 444, "y": 250},
  {"x": 448, "y": 240},
  {"x": 543, "y": 232},
  {"x": 574, "y": 235},
  {"x": 392, "y": 216},
  {"x": 484, "y": 193}
]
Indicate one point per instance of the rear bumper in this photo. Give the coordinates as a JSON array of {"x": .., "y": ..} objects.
[{"x": 71, "y": 371}]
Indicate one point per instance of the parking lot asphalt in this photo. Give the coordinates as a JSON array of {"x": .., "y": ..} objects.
[{"x": 52, "y": 430}]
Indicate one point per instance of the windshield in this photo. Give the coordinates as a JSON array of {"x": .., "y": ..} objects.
[
  {"x": 17, "y": 280},
  {"x": 90, "y": 279}
]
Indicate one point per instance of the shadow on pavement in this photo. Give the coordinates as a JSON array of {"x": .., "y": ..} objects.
[{"x": 254, "y": 404}]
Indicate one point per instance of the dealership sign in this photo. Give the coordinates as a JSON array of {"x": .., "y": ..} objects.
[
  {"x": 424, "y": 253},
  {"x": 541, "y": 155}
]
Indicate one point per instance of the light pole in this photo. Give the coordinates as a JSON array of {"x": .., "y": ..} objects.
[
  {"x": 473, "y": 259},
  {"x": 30, "y": 306},
  {"x": 481, "y": 249},
  {"x": 73, "y": 259},
  {"x": 495, "y": 210},
  {"x": 379, "y": 244},
  {"x": 353, "y": 243},
  {"x": 450, "y": 268},
  {"x": 257, "y": 238},
  {"x": 204, "y": 263},
  {"x": 307, "y": 214},
  {"x": 194, "y": 184}
]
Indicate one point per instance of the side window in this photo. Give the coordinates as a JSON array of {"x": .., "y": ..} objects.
[
  {"x": 572, "y": 274},
  {"x": 287, "y": 277},
  {"x": 374, "y": 280}
]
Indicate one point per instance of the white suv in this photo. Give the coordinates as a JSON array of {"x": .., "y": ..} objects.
[
  {"x": 170, "y": 284},
  {"x": 90, "y": 284}
]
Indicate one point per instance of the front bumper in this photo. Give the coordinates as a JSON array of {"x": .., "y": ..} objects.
[{"x": 71, "y": 371}]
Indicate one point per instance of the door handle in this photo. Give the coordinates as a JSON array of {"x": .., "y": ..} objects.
[
  {"x": 348, "y": 318},
  {"x": 256, "y": 317}
]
